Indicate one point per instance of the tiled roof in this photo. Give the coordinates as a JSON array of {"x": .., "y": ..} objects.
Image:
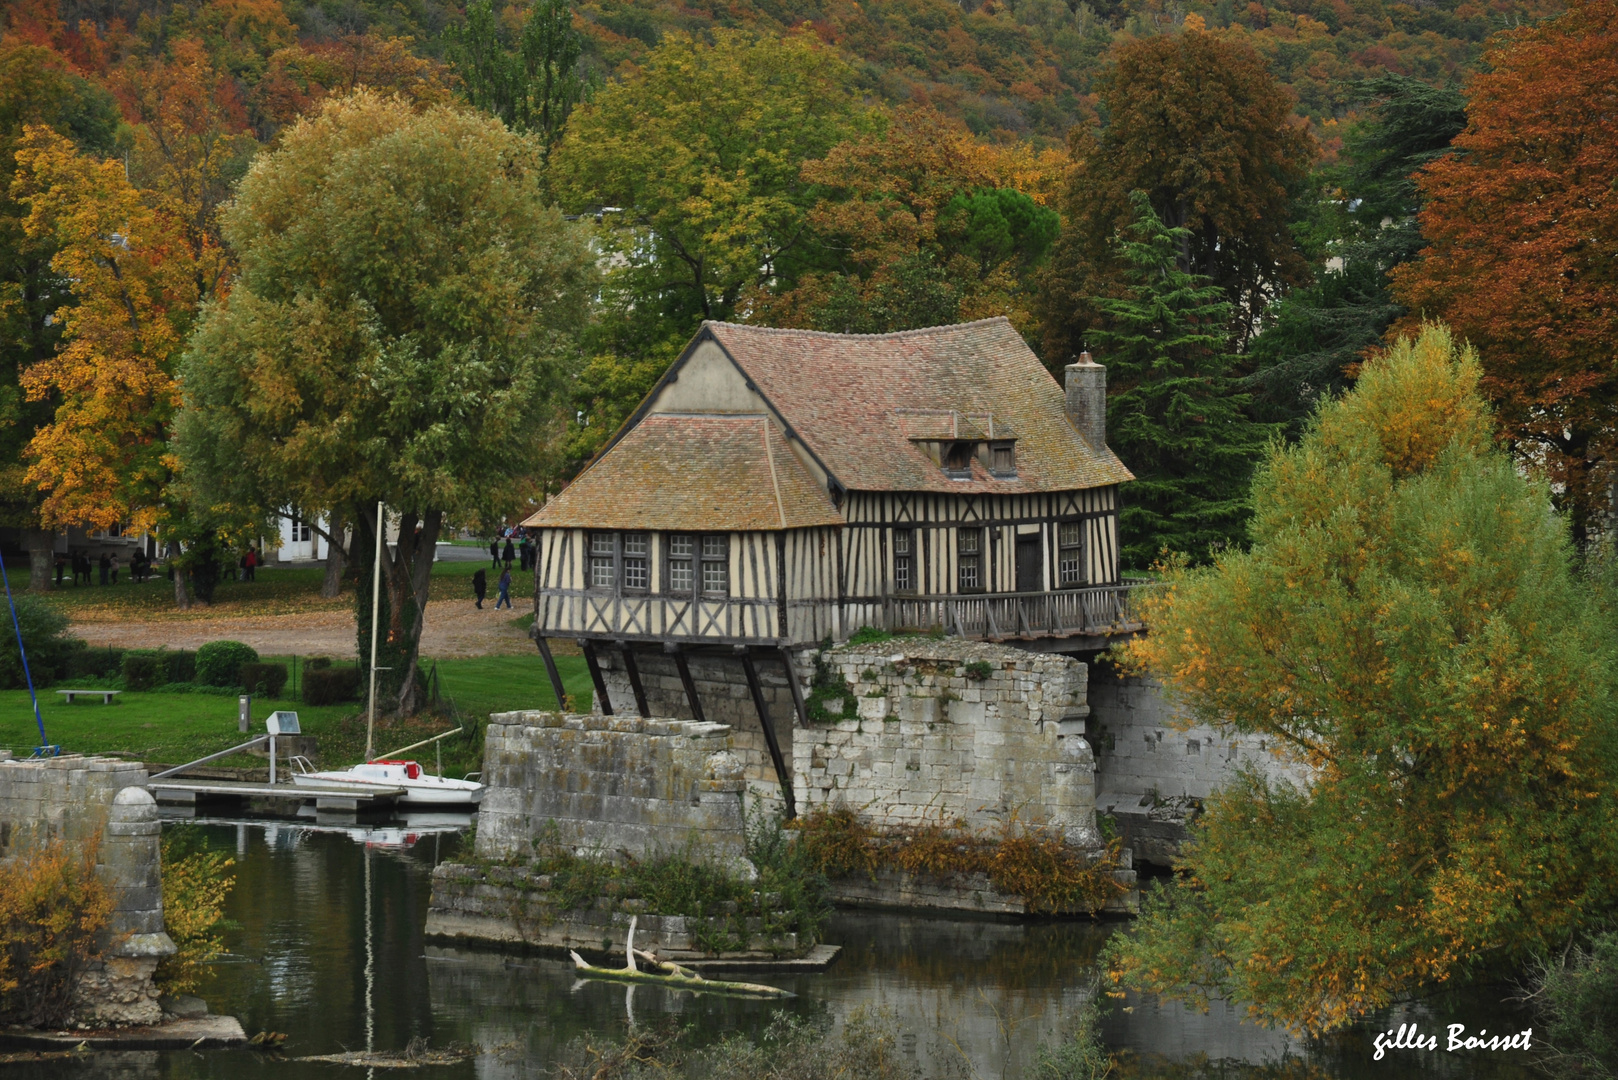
[
  {"x": 847, "y": 397},
  {"x": 674, "y": 472}
]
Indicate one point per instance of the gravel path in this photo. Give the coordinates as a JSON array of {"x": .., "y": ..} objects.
[{"x": 454, "y": 628}]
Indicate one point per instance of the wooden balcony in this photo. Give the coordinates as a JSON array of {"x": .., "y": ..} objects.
[{"x": 1097, "y": 612}]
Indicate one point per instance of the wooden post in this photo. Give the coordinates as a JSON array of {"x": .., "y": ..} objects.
[
  {"x": 769, "y": 734},
  {"x": 634, "y": 678},
  {"x": 602, "y": 696},
  {"x": 550, "y": 669},
  {"x": 798, "y": 703},
  {"x": 685, "y": 679}
]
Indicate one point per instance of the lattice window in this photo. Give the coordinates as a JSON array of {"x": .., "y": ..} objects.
[
  {"x": 602, "y": 552},
  {"x": 969, "y": 559},
  {"x": 637, "y": 570},
  {"x": 904, "y": 566},
  {"x": 1070, "y": 553},
  {"x": 681, "y": 550},
  {"x": 715, "y": 564}
]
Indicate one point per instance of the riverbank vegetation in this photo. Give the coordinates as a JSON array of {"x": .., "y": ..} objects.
[
  {"x": 53, "y": 911},
  {"x": 196, "y": 883},
  {"x": 1051, "y": 875},
  {"x": 1410, "y": 625}
]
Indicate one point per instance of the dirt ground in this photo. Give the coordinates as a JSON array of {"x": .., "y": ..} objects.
[{"x": 455, "y": 628}]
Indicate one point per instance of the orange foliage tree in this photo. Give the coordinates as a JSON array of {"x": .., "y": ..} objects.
[
  {"x": 1201, "y": 126},
  {"x": 900, "y": 194},
  {"x": 1522, "y": 231},
  {"x": 102, "y": 458}
]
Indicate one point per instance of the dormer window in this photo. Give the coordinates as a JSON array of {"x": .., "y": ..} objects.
[
  {"x": 958, "y": 459},
  {"x": 1003, "y": 460}
]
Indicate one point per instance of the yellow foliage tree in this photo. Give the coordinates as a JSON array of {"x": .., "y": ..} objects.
[{"x": 133, "y": 293}]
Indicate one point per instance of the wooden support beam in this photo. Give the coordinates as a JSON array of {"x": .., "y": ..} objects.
[
  {"x": 634, "y": 678},
  {"x": 686, "y": 681},
  {"x": 550, "y": 669},
  {"x": 781, "y": 773},
  {"x": 798, "y": 704},
  {"x": 602, "y": 697}
]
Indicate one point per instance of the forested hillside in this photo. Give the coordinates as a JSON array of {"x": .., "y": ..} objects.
[{"x": 1009, "y": 68}]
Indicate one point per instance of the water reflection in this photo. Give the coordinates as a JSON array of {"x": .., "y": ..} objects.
[{"x": 325, "y": 911}]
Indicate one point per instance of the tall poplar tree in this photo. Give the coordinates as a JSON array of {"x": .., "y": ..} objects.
[{"x": 1173, "y": 414}]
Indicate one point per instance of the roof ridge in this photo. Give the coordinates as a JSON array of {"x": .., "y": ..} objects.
[{"x": 918, "y": 332}]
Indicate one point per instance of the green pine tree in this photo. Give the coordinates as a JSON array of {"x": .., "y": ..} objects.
[{"x": 1174, "y": 415}]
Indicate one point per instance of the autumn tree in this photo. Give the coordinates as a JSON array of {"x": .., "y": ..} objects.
[
  {"x": 1201, "y": 126},
  {"x": 298, "y": 78},
  {"x": 1409, "y": 631},
  {"x": 404, "y": 304},
  {"x": 36, "y": 88},
  {"x": 1522, "y": 241},
  {"x": 695, "y": 162},
  {"x": 130, "y": 295},
  {"x": 1174, "y": 415},
  {"x": 918, "y": 223}
]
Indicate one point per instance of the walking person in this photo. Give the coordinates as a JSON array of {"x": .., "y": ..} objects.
[
  {"x": 61, "y": 565},
  {"x": 504, "y": 585},
  {"x": 104, "y": 564},
  {"x": 509, "y": 554},
  {"x": 250, "y": 562},
  {"x": 113, "y": 568},
  {"x": 480, "y": 586},
  {"x": 494, "y": 553}
]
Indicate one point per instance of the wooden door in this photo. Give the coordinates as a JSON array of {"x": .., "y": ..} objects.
[{"x": 1029, "y": 564}]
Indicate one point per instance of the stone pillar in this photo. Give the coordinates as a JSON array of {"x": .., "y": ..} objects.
[
  {"x": 119, "y": 990},
  {"x": 1087, "y": 400}
]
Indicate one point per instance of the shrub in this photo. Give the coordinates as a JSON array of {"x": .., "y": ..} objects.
[
  {"x": 328, "y": 686},
  {"x": 838, "y": 843},
  {"x": 869, "y": 635},
  {"x": 317, "y": 663},
  {"x": 144, "y": 670},
  {"x": 196, "y": 882},
  {"x": 219, "y": 663},
  {"x": 978, "y": 670},
  {"x": 1576, "y": 996},
  {"x": 85, "y": 662},
  {"x": 182, "y": 666},
  {"x": 266, "y": 680},
  {"x": 53, "y": 908},
  {"x": 50, "y": 648}
]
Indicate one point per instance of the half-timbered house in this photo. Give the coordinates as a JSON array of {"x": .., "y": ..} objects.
[{"x": 780, "y": 487}]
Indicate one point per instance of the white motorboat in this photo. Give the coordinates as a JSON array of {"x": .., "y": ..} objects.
[{"x": 421, "y": 788}]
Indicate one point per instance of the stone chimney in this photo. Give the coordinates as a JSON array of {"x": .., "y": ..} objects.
[{"x": 1087, "y": 400}]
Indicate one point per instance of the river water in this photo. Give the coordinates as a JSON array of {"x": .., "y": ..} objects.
[{"x": 328, "y": 948}]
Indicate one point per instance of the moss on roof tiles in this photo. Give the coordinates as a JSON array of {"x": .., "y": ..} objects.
[
  {"x": 845, "y": 394},
  {"x": 674, "y": 472}
]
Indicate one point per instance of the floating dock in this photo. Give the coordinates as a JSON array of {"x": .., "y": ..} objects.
[{"x": 325, "y": 796}]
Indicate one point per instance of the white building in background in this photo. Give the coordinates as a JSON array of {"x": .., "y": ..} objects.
[{"x": 298, "y": 541}]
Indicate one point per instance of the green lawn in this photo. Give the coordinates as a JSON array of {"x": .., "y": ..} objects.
[{"x": 155, "y": 726}]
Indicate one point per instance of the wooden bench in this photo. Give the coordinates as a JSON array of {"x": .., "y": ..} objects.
[{"x": 106, "y": 696}]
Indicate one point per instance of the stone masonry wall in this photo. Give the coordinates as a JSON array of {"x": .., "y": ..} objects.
[
  {"x": 611, "y": 784},
  {"x": 1153, "y": 770},
  {"x": 80, "y": 801},
  {"x": 932, "y": 739},
  {"x": 722, "y": 688}
]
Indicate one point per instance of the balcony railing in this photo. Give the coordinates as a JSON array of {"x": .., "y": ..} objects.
[{"x": 1098, "y": 611}]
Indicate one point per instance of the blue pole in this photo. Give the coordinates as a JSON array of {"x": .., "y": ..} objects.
[{"x": 15, "y": 625}]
